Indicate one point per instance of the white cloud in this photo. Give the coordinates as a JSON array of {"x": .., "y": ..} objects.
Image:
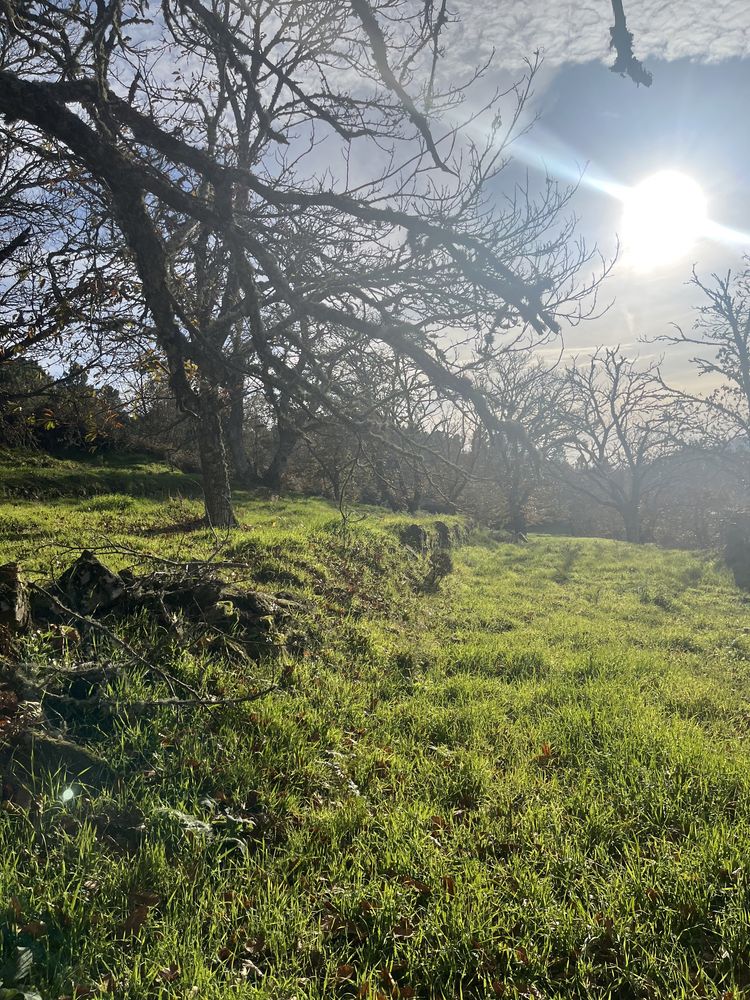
[{"x": 570, "y": 32}]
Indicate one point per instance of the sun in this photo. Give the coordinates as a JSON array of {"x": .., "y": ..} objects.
[{"x": 662, "y": 218}]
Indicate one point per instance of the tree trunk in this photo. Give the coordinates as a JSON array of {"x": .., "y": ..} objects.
[
  {"x": 235, "y": 438},
  {"x": 632, "y": 518},
  {"x": 516, "y": 511},
  {"x": 217, "y": 494},
  {"x": 288, "y": 437}
]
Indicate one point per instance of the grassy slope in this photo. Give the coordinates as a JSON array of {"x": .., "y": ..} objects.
[
  {"x": 534, "y": 783},
  {"x": 37, "y": 475}
]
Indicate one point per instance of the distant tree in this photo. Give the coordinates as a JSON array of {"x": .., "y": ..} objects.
[
  {"x": 60, "y": 413},
  {"x": 623, "y": 425},
  {"x": 721, "y": 335},
  {"x": 525, "y": 391},
  {"x": 198, "y": 127}
]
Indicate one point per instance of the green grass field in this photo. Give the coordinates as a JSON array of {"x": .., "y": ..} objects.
[{"x": 534, "y": 782}]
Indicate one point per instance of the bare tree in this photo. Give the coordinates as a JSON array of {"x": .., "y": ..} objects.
[
  {"x": 623, "y": 425},
  {"x": 238, "y": 239},
  {"x": 62, "y": 291},
  {"x": 524, "y": 390},
  {"x": 721, "y": 335}
]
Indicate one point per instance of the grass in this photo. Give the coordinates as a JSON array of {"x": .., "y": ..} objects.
[
  {"x": 36, "y": 475},
  {"x": 532, "y": 783}
]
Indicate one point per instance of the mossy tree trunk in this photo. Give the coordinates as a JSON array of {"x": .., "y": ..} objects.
[{"x": 217, "y": 493}]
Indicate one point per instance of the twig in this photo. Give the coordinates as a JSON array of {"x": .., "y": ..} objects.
[
  {"x": 165, "y": 676},
  {"x": 163, "y": 702}
]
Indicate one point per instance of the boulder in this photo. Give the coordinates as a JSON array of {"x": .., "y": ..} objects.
[
  {"x": 190, "y": 590},
  {"x": 443, "y": 535},
  {"x": 89, "y": 586},
  {"x": 15, "y": 609},
  {"x": 415, "y": 536}
]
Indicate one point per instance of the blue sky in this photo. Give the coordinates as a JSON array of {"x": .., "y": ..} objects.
[{"x": 694, "y": 119}]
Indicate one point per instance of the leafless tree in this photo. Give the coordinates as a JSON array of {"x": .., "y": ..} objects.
[
  {"x": 271, "y": 167},
  {"x": 623, "y": 425},
  {"x": 721, "y": 338},
  {"x": 525, "y": 390}
]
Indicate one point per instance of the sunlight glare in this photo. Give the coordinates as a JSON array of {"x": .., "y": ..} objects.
[{"x": 662, "y": 218}]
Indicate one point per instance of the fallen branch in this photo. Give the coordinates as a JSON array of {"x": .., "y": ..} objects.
[
  {"x": 168, "y": 678},
  {"x": 97, "y": 700}
]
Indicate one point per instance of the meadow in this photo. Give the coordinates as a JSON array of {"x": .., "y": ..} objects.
[{"x": 529, "y": 778}]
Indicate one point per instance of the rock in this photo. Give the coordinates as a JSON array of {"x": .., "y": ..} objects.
[
  {"x": 254, "y": 604},
  {"x": 88, "y": 585},
  {"x": 441, "y": 565},
  {"x": 190, "y": 591},
  {"x": 15, "y": 610},
  {"x": 415, "y": 536},
  {"x": 443, "y": 535}
]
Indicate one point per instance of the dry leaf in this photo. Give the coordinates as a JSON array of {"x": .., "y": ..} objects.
[
  {"x": 449, "y": 884},
  {"x": 81, "y": 992},
  {"x": 402, "y": 930},
  {"x": 34, "y": 928},
  {"x": 169, "y": 973},
  {"x": 387, "y": 979},
  {"x": 136, "y": 919},
  {"x": 416, "y": 884},
  {"x": 545, "y": 756},
  {"x": 144, "y": 897}
]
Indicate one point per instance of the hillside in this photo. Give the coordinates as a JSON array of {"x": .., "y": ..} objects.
[{"x": 529, "y": 778}]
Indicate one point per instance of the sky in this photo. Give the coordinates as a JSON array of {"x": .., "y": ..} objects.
[{"x": 692, "y": 120}]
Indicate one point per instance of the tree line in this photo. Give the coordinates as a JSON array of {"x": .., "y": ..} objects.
[{"x": 264, "y": 238}]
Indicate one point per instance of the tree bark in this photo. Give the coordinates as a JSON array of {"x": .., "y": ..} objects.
[
  {"x": 288, "y": 437},
  {"x": 217, "y": 492},
  {"x": 235, "y": 438},
  {"x": 632, "y": 517}
]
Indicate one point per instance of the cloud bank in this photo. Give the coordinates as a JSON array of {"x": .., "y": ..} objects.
[{"x": 569, "y": 32}]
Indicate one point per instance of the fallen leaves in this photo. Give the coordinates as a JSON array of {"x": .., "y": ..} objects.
[
  {"x": 141, "y": 904},
  {"x": 169, "y": 973},
  {"x": 34, "y": 928},
  {"x": 402, "y": 930},
  {"x": 449, "y": 884},
  {"x": 417, "y": 885},
  {"x": 438, "y": 824},
  {"x": 247, "y": 957},
  {"x": 85, "y": 991},
  {"x": 135, "y": 920}
]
